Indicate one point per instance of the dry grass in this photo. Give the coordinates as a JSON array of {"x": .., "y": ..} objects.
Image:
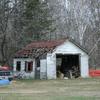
[{"x": 77, "y": 89}]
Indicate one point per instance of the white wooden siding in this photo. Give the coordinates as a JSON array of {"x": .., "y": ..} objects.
[
  {"x": 84, "y": 66},
  {"x": 43, "y": 69},
  {"x": 22, "y": 60},
  {"x": 51, "y": 67},
  {"x": 68, "y": 48}
]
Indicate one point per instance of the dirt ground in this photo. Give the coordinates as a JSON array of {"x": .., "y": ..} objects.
[{"x": 75, "y": 89}]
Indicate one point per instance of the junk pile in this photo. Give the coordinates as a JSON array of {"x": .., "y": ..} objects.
[{"x": 6, "y": 75}]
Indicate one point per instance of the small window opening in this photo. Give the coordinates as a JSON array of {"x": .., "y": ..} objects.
[
  {"x": 18, "y": 66},
  {"x": 28, "y": 66}
]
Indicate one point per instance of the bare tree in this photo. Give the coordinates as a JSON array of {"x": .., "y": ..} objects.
[
  {"x": 4, "y": 19},
  {"x": 80, "y": 20}
]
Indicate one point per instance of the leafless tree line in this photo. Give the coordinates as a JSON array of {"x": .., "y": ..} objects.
[{"x": 78, "y": 19}]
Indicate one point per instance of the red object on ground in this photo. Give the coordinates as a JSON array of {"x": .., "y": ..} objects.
[{"x": 94, "y": 73}]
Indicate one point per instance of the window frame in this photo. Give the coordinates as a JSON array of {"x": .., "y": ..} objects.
[{"x": 18, "y": 69}]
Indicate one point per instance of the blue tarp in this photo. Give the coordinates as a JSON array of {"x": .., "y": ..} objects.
[{"x": 4, "y": 82}]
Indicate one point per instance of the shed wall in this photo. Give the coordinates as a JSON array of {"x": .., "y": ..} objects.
[
  {"x": 51, "y": 67},
  {"x": 43, "y": 69},
  {"x": 84, "y": 66}
]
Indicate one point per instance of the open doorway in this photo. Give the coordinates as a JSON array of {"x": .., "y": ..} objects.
[{"x": 68, "y": 65}]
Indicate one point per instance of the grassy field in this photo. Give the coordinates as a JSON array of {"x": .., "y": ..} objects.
[{"x": 76, "y": 89}]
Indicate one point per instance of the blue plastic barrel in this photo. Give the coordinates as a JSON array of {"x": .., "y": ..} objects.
[{"x": 4, "y": 82}]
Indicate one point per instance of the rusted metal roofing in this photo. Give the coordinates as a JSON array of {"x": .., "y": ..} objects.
[{"x": 37, "y": 48}]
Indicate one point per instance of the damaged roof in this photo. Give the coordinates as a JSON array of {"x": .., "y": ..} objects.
[{"x": 37, "y": 48}]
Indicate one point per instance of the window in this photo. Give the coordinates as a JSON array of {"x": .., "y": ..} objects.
[
  {"x": 18, "y": 66},
  {"x": 28, "y": 66}
]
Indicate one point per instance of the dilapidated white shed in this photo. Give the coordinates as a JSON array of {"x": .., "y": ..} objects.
[{"x": 50, "y": 59}]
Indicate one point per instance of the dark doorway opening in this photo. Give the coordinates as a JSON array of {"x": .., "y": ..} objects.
[
  {"x": 37, "y": 68},
  {"x": 68, "y": 65}
]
